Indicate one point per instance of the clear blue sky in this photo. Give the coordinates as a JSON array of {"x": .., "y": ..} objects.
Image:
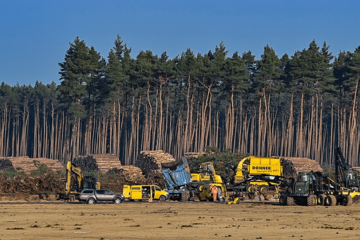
[{"x": 36, "y": 34}]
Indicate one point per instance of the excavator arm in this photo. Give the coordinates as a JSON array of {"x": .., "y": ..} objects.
[{"x": 72, "y": 169}]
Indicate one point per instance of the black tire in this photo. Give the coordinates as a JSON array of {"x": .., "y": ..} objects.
[
  {"x": 183, "y": 197},
  {"x": 90, "y": 201},
  {"x": 290, "y": 201},
  {"x": 282, "y": 199},
  {"x": 321, "y": 199},
  {"x": 117, "y": 200},
  {"x": 347, "y": 200},
  {"x": 162, "y": 198},
  {"x": 331, "y": 200},
  {"x": 311, "y": 200}
]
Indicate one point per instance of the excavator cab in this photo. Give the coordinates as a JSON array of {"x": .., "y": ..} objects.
[{"x": 351, "y": 179}]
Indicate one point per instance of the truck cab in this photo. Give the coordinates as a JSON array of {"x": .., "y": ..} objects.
[{"x": 143, "y": 192}]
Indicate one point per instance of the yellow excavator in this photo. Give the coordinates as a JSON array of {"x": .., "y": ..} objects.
[{"x": 76, "y": 182}]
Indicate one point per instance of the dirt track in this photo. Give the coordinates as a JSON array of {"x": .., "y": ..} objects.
[{"x": 178, "y": 221}]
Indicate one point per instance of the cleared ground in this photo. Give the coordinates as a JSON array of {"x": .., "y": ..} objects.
[{"x": 177, "y": 221}]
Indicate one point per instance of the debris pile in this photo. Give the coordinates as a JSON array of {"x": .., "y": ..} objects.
[
  {"x": 150, "y": 162},
  {"x": 358, "y": 171},
  {"x": 192, "y": 157},
  {"x": 293, "y": 165},
  {"x": 30, "y": 185},
  {"x": 5, "y": 164}
]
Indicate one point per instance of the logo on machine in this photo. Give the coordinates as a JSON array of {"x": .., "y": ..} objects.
[{"x": 261, "y": 168}]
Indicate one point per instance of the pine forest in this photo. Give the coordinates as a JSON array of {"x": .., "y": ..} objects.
[{"x": 302, "y": 105}]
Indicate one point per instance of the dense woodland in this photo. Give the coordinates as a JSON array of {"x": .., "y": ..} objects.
[{"x": 303, "y": 105}]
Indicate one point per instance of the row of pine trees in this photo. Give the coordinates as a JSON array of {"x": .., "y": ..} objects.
[{"x": 304, "y": 105}]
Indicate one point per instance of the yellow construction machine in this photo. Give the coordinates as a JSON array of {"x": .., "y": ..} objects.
[
  {"x": 255, "y": 178},
  {"x": 76, "y": 182}
]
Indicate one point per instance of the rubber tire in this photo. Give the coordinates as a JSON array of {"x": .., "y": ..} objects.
[
  {"x": 321, "y": 199},
  {"x": 331, "y": 200},
  {"x": 162, "y": 198},
  {"x": 348, "y": 200},
  {"x": 183, "y": 197},
  {"x": 282, "y": 199},
  {"x": 311, "y": 200},
  {"x": 290, "y": 201},
  {"x": 90, "y": 201},
  {"x": 117, "y": 201}
]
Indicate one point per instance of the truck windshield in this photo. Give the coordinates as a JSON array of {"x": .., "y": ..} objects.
[{"x": 304, "y": 178}]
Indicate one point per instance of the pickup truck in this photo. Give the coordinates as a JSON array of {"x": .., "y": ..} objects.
[{"x": 91, "y": 196}]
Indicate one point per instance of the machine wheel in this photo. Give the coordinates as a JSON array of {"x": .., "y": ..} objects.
[
  {"x": 290, "y": 201},
  {"x": 321, "y": 199},
  {"x": 90, "y": 201},
  {"x": 331, "y": 200},
  {"x": 117, "y": 201},
  {"x": 183, "y": 197},
  {"x": 162, "y": 198},
  {"x": 311, "y": 200},
  {"x": 347, "y": 201},
  {"x": 282, "y": 199}
]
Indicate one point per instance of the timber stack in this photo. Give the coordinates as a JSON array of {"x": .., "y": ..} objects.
[
  {"x": 293, "y": 165},
  {"x": 107, "y": 162},
  {"x": 150, "y": 162},
  {"x": 86, "y": 163},
  {"x": 27, "y": 164}
]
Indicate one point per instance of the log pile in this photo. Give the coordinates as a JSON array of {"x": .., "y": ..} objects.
[
  {"x": 293, "y": 165},
  {"x": 106, "y": 162},
  {"x": 132, "y": 174},
  {"x": 51, "y": 164},
  {"x": 27, "y": 164},
  {"x": 86, "y": 163},
  {"x": 150, "y": 162}
]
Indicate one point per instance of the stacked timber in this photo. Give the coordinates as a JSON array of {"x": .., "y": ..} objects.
[
  {"x": 150, "y": 162},
  {"x": 27, "y": 164},
  {"x": 107, "y": 162},
  {"x": 293, "y": 165},
  {"x": 132, "y": 174},
  {"x": 86, "y": 163},
  {"x": 51, "y": 164}
]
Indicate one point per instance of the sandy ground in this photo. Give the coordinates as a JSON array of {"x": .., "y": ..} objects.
[{"x": 177, "y": 221}]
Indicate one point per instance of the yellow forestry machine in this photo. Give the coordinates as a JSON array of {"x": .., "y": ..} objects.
[
  {"x": 207, "y": 176},
  {"x": 255, "y": 178},
  {"x": 76, "y": 182}
]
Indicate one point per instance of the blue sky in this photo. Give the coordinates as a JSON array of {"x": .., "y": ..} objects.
[{"x": 34, "y": 35}]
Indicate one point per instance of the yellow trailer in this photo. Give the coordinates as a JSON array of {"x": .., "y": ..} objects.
[{"x": 145, "y": 192}]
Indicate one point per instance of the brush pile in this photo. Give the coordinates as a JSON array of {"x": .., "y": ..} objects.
[
  {"x": 191, "y": 157},
  {"x": 150, "y": 162},
  {"x": 5, "y": 164},
  {"x": 293, "y": 165},
  {"x": 30, "y": 185}
]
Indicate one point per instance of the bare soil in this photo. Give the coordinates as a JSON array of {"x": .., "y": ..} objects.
[{"x": 177, "y": 221}]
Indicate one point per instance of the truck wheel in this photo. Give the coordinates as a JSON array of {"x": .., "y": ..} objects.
[
  {"x": 162, "y": 198},
  {"x": 348, "y": 200},
  {"x": 290, "y": 201},
  {"x": 90, "y": 201},
  {"x": 117, "y": 201},
  {"x": 331, "y": 200},
  {"x": 183, "y": 197},
  {"x": 282, "y": 199},
  {"x": 311, "y": 200},
  {"x": 321, "y": 199}
]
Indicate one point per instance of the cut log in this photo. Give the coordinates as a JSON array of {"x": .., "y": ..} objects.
[
  {"x": 293, "y": 165},
  {"x": 150, "y": 162}
]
